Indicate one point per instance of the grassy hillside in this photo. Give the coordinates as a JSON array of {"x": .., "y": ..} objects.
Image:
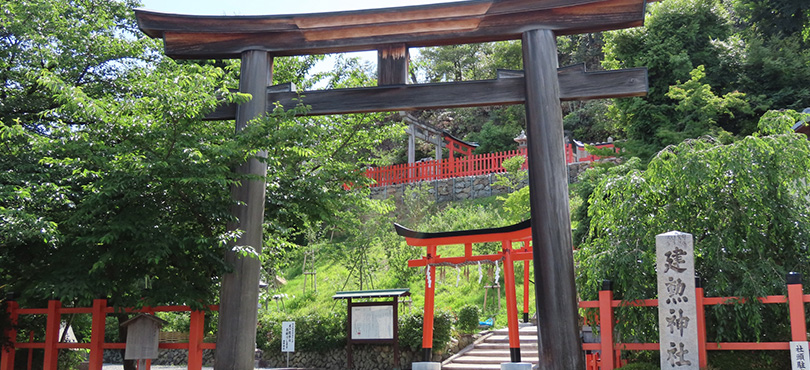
[{"x": 376, "y": 258}]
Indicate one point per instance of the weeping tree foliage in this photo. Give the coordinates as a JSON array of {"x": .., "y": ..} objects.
[{"x": 747, "y": 205}]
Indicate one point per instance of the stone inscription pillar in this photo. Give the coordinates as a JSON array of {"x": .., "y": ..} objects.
[{"x": 677, "y": 309}]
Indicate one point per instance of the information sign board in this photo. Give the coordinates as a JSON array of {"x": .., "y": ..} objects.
[{"x": 373, "y": 322}]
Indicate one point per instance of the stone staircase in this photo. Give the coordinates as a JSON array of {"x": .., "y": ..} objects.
[{"x": 493, "y": 349}]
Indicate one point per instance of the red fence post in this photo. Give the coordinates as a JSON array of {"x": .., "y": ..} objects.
[
  {"x": 53, "y": 321},
  {"x": 703, "y": 359},
  {"x": 798, "y": 325},
  {"x": 606, "y": 325},
  {"x": 7, "y": 362},
  {"x": 96, "y": 359},
  {"x": 195, "y": 338}
]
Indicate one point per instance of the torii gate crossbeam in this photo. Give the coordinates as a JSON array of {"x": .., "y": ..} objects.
[{"x": 256, "y": 39}]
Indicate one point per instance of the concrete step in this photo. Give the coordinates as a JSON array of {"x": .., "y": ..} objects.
[
  {"x": 455, "y": 366},
  {"x": 493, "y": 360},
  {"x": 505, "y": 339},
  {"x": 524, "y": 352},
  {"x": 524, "y": 330},
  {"x": 505, "y": 345}
]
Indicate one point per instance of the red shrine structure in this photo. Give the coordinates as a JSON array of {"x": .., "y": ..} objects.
[{"x": 509, "y": 237}]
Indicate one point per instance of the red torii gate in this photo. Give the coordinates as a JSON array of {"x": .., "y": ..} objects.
[{"x": 508, "y": 235}]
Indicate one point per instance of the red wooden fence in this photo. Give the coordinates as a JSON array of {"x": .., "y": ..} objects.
[
  {"x": 480, "y": 164},
  {"x": 51, "y": 345},
  {"x": 610, "y": 352}
]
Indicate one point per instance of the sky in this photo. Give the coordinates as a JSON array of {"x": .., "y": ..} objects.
[{"x": 265, "y": 7}]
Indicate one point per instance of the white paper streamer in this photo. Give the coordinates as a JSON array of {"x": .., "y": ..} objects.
[
  {"x": 427, "y": 276},
  {"x": 497, "y": 272},
  {"x": 480, "y": 274}
]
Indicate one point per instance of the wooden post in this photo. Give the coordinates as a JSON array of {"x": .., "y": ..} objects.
[
  {"x": 525, "y": 290},
  {"x": 96, "y": 360},
  {"x": 427, "y": 321},
  {"x": 52, "y": 323},
  {"x": 559, "y": 345},
  {"x": 196, "y": 334},
  {"x": 239, "y": 295},
  {"x": 392, "y": 65},
  {"x": 7, "y": 360},
  {"x": 798, "y": 325},
  {"x": 396, "y": 332},
  {"x": 606, "y": 326},
  {"x": 511, "y": 302},
  {"x": 349, "y": 359},
  {"x": 703, "y": 359}
]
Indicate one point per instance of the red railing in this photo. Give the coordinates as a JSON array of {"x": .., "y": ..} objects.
[
  {"x": 99, "y": 311},
  {"x": 610, "y": 352},
  {"x": 480, "y": 164}
]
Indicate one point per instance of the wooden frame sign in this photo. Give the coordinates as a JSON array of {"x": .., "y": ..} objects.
[{"x": 372, "y": 322}]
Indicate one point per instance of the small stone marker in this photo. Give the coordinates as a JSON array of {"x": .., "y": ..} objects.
[
  {"x": 799, "y": 355},
  {"x": 677, "y": 311}
]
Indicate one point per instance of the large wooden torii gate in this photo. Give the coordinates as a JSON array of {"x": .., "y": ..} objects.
[{"x": 257, "y": 39}]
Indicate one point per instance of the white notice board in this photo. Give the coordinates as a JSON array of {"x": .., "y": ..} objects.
[
  {"x": 373, "y": 322},
  {"x": 288, "y": 336}
]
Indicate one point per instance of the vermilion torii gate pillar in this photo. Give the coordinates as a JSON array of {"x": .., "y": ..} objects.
[{"x": 391, "y": 32}]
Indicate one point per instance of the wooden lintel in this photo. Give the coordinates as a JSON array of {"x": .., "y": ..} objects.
[
  {"x": 575, "y": 84},
  {"x": 199, "y": 37}
]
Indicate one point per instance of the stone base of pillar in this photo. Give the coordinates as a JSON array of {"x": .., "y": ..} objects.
[
  {"x": 429, "y": 366},
  {"x": 516, "y": 366}
]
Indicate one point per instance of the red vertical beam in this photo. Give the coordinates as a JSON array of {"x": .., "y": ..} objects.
[
  {"x": 96, "y": 359},
  {"x": 606, "y": 326},
  {"x": 30, "y": 364},
  {"x": 798, "y": 325},
  {"x": 7, "y": 361},
  {"x": 53, "y": 321},
  {"x": 511, "y": 302},
  {"x": 526, "y": 291},
  {"x": 427, "y": 322},
  {"x": 703, "y": 360},
  {"x": 196, "y": 333}
]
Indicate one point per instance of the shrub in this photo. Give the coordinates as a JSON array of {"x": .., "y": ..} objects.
[
  {"x": 641, "y": 366},
  {"x": 468, "y": 319},
  {"x": 410, "y": 330},
  {"x": 313, "y": 332}
]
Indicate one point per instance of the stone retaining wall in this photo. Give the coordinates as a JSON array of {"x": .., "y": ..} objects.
[
  {"x": 462, "y": 188},
  {"x": 365, "y": 357},
  {"x": 169, "y": 357}
]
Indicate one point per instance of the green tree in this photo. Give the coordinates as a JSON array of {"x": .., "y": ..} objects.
[
  {"x": 746, "y": 204},
  {"x": 678, "y": 36},
  {"x": 113, "y": 185}
]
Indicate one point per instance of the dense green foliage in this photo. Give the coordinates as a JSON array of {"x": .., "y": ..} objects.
[
  {"x": 746, "y": 204},
  {"x": 313, "y": 332},
  {"x": 113, "y": 185},
  {"x": 468, "y": 318},
  {"x": 410, "y": 330}
]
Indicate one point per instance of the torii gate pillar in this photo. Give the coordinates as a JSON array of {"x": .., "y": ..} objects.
[
  {"x": 559, "y": 345},
  {"x": 239, "y": 294}
]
